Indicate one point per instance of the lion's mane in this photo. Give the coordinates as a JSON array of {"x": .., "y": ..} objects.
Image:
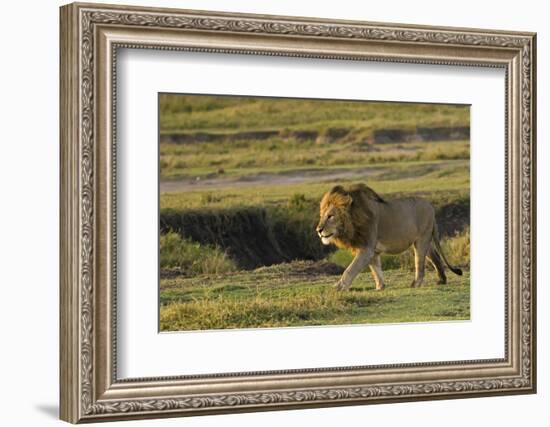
[{"x": 355, "y": 209}]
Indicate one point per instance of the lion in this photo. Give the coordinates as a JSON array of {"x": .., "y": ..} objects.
[{"x": 358, "y": 219}]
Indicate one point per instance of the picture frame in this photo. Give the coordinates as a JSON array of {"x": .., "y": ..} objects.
[{"x": 90, "y": 36}]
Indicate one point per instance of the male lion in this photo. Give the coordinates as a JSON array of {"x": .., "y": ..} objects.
[{"x": 358, "y": 219}]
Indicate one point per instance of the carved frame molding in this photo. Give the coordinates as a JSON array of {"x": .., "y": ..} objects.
[{"x": 90, "y": 36}]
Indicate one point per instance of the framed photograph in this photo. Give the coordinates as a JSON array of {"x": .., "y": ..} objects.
[{"x": 266, "y": 212}]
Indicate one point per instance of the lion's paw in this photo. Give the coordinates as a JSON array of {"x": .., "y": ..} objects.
[{"x": 342, "y": 285}]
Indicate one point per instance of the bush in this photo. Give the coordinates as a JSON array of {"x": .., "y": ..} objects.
[
  {"x": 297, "y": 201},
  {"x": 192, "y": 257},
  {"x": 403, "y": 261},
  {"x": 341, "y": 257},
  {"x": 294, "y": 225},
  {"x": 457, "y": 248},
  {"x": 208, "y": 198}
]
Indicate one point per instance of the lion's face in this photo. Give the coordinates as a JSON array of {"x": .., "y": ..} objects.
[
  {"x": 330, "y": 225},
  {"x": 334, "y": 219}
]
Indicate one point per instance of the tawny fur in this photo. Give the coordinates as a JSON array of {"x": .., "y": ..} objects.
[{"x": 356, "y": 218}]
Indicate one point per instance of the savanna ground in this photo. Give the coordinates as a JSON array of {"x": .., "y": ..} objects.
[{"x": 241, "y": 180}]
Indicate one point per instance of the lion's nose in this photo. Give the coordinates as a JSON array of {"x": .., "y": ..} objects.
[{"x": 319, "y": 229}]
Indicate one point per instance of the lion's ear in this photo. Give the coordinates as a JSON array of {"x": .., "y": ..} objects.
[{"x": 338, "y": 189}]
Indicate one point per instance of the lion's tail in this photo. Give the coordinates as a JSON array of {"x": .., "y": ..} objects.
[{"x": 435, "y": 235}]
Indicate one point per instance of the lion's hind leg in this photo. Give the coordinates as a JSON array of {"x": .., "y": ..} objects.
[
  {"x": 437, "y": 262},
  {"x": 421, "y": 248},
  {"x": 376, "y": 269}
]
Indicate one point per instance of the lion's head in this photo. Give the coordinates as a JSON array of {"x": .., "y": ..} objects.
[
  {"x": 345, "y": 215},
  {"x": 335, "y": 218}
]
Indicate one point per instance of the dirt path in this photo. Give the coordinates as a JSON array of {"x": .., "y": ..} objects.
[
  {"x": 291, "y": 177},
  {"x": 216, "y": 181}
]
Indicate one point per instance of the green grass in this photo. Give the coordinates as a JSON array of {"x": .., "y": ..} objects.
[
  {"x": 450, "y": 179},
  {"x": 289, "y": 213},
  {"x": 238, "y": 175},
  {"x": 278, "y": 297},
  {"x": 276, "y": 155},
  {"x": 192, "y": 257},
  {"x": 233, "y": 113},
  {"x": 456, "y": 248},
  {"x": 358, "y": 120}
]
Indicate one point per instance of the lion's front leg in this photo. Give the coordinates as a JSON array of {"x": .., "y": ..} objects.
[{"x": 360, "y": 261}]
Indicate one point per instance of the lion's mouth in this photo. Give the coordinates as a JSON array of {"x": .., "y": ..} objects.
[{"x": 326, "y": 236}]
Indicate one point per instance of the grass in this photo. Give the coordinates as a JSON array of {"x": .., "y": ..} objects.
[
  {"x": 456, "y": 249},
  {"x": 245, "y": 202},
  {"x": 254, "y": 235},
  {"x": 286, "y": 151},
  {"x": 278, "y": 297},
  {"x": 192, "y": 257},
  {"x": 276, "y": 223},
  {"x": 447, "y": 178},
  {"x": 234, "y": 113},
  {"x": 229, "y": 159}
]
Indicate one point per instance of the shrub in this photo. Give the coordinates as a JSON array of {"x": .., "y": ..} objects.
[
  {"x": 457, "y": 248},
  {"x": 208, "y": 198},
  {"x": 192, "y": 257},
  {"x": 403, "y": 261},
  {"x": 341, "y": 257},
  {"x": 294, "y": 226},
  {"x": 297, "y": 201}
]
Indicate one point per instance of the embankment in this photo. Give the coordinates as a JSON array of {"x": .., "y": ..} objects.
[
  {"x": 331, "y": 135},
  {"x": 255, "y": 237}
]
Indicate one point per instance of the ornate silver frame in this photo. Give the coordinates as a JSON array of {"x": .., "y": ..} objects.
[{"x": 90, "y": 36}]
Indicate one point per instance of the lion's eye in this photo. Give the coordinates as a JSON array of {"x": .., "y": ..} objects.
[{"x": 330, "y": 216}]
